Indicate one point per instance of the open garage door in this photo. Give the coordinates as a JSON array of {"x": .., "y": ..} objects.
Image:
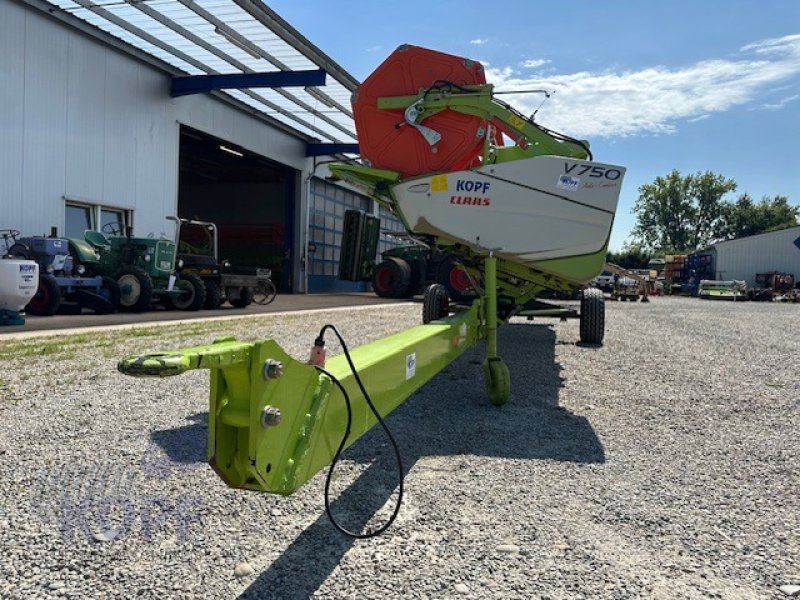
[{"x": 249, "y": 197}]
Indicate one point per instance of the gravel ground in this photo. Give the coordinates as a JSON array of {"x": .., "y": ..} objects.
[{"x": 662, "y": 465}]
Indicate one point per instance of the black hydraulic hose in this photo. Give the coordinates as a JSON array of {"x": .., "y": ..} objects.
[{"x": 346, "y": 436}]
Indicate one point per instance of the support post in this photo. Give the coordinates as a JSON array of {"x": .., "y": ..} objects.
[
  {"x": 490, "y": 275},
  {"x": 495, "y": 371}
]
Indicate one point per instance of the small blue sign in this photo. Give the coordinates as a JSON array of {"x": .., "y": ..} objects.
[{"x": 797, "y": 242}]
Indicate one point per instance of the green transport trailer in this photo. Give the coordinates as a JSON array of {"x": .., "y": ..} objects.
[
  {"x": 198, "y": 253},
  {"x": 520, "y": 220}
]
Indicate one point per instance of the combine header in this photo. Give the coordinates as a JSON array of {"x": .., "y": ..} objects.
[{"x": 520, "y": 219}]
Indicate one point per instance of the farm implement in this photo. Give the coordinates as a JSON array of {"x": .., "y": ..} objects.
[{"x": 519, "y": 220}]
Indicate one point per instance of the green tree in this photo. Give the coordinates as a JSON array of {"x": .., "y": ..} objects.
[
  {"x": 745, "y": 217},
  {"x": 680, "y": 212},
  {"x": 630, "y": 257}
]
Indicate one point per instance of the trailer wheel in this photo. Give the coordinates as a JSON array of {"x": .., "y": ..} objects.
[
  {"x": 195, "y": 290},
  {"x": 245, "y": 298},
  {"x": 593, "y": 316},
  {"x": 435, "y": 304},
  {"x": 497, "y": 379},
  {"x": 455, "y": 280},
  {"x": 392, "y": 278},
  {"x": 213, "y": 295},
  {"x": 136, "y": 289},
  {"x": 265, "y": 293},
  {"x": 47, "y": 298}
]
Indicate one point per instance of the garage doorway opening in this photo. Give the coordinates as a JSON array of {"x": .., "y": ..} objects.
[{"x": 249, "y": 197}]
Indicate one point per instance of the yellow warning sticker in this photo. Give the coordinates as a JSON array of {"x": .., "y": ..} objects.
[
  {"x": 439, "y": 183},
  {"x": 516, "y": 122}
]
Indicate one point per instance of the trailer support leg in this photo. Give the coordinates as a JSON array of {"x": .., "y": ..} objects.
[{"x": 495, "y": 371}]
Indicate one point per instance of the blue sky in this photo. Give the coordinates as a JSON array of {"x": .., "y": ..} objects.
[{"x": 654, "y": 86}]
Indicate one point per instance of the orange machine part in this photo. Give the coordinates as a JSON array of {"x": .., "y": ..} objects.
[{"x": 387, "y": 142}]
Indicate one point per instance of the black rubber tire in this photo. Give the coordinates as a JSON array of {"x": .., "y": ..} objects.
[
  {"x": 213, "y": 295},
  {"x": 94, "y": 302},
  {"x": 20, "y": 251},
  {"x": 142, "y": 296},
  {"x": 392, "y": 278},
  {"x": 47, "y": 298},
  {"x": 448, "y": 275},
  {"x": 245, "y": 298},
  {"x": 196, "y": 298},
  {"x": 435, "y": 303},
  {"x": 593, "y": 316},
  {"x": 110, "y": 291}
]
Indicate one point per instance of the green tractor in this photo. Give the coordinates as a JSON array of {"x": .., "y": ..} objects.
[
  {"x": 144, "y": 268},
  {"x": 407, "y": 270}
]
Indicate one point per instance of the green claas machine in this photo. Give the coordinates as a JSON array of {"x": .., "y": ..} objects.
[
  {"x": 403, "y": 271},
  {"x": 144, "y": 268},
  {"x": 522, "y": 218}
]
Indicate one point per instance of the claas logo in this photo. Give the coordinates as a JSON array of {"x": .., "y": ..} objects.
[{"x": 481, "y": 187}]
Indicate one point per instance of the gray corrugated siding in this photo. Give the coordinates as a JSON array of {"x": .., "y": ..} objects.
[
  {"x": 743, "y": 258},
  {"x": 82, "y": 120}
]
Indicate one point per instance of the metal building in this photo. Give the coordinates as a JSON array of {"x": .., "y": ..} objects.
[
  {"x": 742, "y": 258},
  {"x": 101, "y": 122}
]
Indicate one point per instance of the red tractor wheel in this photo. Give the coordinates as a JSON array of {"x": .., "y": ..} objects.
[
  {"x": 392, "y": 278},
  {"x": 456, "y": 281},
  {"x": 47, "y": 298}
]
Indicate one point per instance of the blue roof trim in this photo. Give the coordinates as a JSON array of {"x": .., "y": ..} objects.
[
  {"x": 328, "y": 149},
  {"x": 200, "y": 84}
]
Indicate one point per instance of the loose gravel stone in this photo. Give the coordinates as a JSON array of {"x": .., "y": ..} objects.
[
  {"x": 507, "y": 548},
  {"x": 461, "y": 588},
  {"x": 791, "y": 590},
  {"x": 243, "y": 570},
  {"x": 680, "y": 481}
]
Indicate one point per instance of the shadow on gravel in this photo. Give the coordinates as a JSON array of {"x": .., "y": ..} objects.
[
  {"x": 449, "y": 416},
  {"x": 187, "y": 444}
]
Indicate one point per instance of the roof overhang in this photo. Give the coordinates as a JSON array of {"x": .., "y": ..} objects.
[{"x": 231, "y": 40}]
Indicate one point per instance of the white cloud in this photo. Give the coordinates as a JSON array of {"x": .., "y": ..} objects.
[
  {"x": 780, "y": 103},
  {"x": 534, "y": 63},
  {"x": 478, "y": 41},
  {"x": 654, "y": 99},
  {"x": 373, "y": 48},
  {"x": 772, "y": 45}
]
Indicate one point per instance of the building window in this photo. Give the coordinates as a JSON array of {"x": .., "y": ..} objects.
[
  {"x": 78, "y": 219},
  {"x": 80, "y": 216},
  {"x": 112, "y": 221},
  {"x": 328, "y": 205},
  {"x": 392, "y": 231}
]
